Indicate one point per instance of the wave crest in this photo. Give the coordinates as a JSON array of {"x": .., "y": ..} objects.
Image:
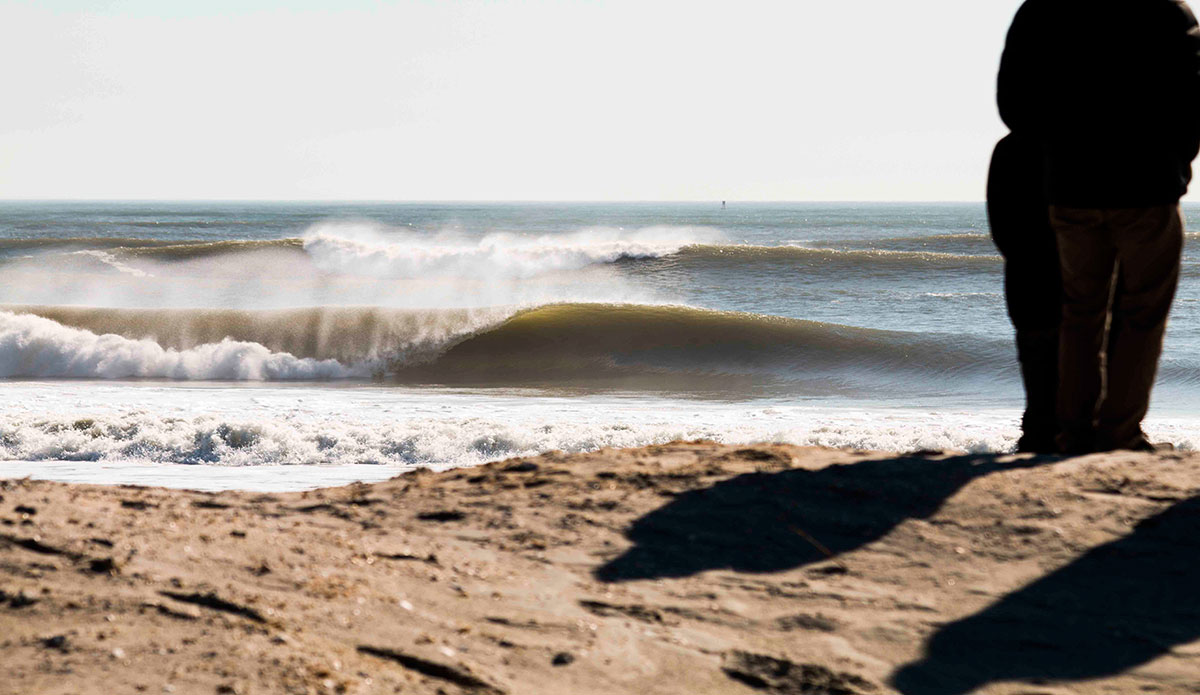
[{"x": 365, "y": 250}]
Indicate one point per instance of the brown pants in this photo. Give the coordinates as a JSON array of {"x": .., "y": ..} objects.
[{"x": 1113, "y": 322}]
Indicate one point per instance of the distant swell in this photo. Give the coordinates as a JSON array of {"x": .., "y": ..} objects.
[
  {"x": 742, "y": 254},
  {"x": 50, "y": 244}
]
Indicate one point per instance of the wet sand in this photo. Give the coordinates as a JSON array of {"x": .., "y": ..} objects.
[{"x": 682, "y": 568}]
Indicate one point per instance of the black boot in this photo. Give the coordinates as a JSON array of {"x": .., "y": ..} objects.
[{"x": 1037, "y": 351}]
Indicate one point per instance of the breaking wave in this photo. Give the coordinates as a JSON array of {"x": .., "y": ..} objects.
[
  {"x": 649, "y": 347},
  {"x": 363, "y": 251},
  {"x": 342, "y": 249},
  {"x": 350, "y": 335},
  {"x": 33, "y": 346}
]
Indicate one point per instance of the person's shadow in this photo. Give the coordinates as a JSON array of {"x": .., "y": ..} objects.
[
  {"x": 774, "y": 521},
  {"x": 1118, "y": 606}
]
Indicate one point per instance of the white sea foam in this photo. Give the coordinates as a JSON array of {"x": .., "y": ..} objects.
[
  {"x": 366, "y": 249},
  {"x": 229, "y": 426},
  {"x": 297, "y": 431},
  {"x": 108, "y": 259},
  {"x": 32, "y": 346}
]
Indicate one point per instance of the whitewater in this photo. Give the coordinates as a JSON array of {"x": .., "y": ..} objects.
[{"x": 284, "y": 346}]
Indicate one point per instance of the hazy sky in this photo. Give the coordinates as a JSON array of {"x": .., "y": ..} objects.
[{"x": 567, "y": 100}]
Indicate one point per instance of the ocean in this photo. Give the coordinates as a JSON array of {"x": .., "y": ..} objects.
[{"x": 291, "y": 345}]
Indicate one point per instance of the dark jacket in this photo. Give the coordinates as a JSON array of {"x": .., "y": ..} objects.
[
  {"x": 1110, "y": 89},
  {"x": 1020, "y": 224}
]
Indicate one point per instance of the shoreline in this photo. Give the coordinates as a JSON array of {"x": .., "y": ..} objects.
[
  {"x": 200, "y": 477},
  {"x": 684, "y": 567}
]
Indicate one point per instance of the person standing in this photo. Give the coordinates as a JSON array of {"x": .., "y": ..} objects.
[
  {"x": 1019, "y": 219},
  {"x": 1109, "y": 90}
]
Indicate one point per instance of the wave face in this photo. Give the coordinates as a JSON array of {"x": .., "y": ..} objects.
[
  {"x": 671, "y": 348},
  {"x": 675, "y": 346}
]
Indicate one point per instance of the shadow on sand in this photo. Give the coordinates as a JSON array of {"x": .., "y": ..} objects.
[
  {"x": 1118, "y": 606},
  {"x": 769, "y": 522}
]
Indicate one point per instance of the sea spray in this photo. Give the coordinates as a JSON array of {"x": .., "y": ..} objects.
[{"x": 108, "y": 259}]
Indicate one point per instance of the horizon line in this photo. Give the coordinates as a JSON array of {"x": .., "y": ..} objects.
[{"x": 437, "y": 201}]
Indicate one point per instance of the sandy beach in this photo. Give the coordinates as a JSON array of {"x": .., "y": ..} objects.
[
  {"x": 599, "y": 348},
  {"x": 682, "y": 568}
]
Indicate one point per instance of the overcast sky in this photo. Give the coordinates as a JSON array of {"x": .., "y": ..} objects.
[{"x": 499, "y": 100}]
